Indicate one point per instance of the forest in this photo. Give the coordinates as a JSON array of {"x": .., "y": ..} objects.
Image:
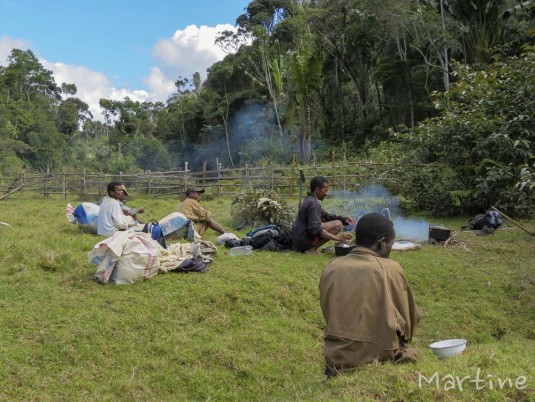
[{"x": 445, "y": 82}]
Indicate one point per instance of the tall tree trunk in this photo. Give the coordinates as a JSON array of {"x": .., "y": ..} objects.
[{"x": 225, "y": 123}]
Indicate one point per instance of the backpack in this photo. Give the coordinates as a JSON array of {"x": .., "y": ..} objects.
[
  {"x": 490, "y": 219},
  {"x": 154, "y": 229},
  {"x": 272, "y": 238}
]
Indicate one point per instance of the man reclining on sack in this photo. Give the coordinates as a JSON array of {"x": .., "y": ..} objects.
[{"x": 200, "y": 216}]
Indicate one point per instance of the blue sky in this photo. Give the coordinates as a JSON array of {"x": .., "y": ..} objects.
[{"x": 136, "y": 48}]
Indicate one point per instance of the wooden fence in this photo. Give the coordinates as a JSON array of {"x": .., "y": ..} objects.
[{"x": 347, "y": 176}]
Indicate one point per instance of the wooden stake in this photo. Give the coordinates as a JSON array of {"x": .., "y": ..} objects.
[
  {"x": 512, "y": 221},
  {"x": 11, "y": 192}
]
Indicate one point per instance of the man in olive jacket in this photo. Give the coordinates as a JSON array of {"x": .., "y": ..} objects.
[
  {"x": 367, "y": 302},
  {"x": 313, "y": 226}
]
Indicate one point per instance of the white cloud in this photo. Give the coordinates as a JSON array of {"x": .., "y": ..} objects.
[
  {"x": 7, "y": 44},
  {"x": 92, "y": 85},
  {"x": 190, "y": 50},
  {"x": 161, "y": 86}
]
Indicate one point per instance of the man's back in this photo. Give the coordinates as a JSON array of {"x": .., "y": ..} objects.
[{"x": 368, "y": 307}]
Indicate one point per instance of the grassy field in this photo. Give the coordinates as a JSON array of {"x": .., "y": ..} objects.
[{"x": 251, "y": 327}]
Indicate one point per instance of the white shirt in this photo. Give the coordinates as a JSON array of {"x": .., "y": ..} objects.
[{"x": 110, "y": 217}]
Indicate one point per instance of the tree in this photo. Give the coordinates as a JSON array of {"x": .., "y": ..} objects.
[
  {"x": 72, "y": 113},
  {"x": 26, "y": 79},
  {"x": 305, "y": 80},
  {"x": 265, "y": 13},
  {"x": 482, "y": 23},
  {"x": 130, "y": 118},
  {"x": 485, "y": 135},
  {"x": 31, "y": 97}
]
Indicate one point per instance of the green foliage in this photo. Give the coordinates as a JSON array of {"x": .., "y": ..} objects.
[
  {"x": 327, "y": 73},
  {"x": 10, "y": 165},
  {"x": 527, "y": 179},
  {"x": 120, "y": 163},
  {"x": 262, "y": 206},
  {"x": 434, "y": 189},
  {"x": 264, "y": 151},
  {"x": 149, "y": 154},
  {"x": 485, "y": 133}
]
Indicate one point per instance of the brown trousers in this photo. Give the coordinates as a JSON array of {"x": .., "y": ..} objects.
[{"x": 342, "y": 355}]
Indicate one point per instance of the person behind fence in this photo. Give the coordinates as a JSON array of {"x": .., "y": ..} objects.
[
  {"x": 313, "y": 226},
  {"x": 367, "y": 302},
  {"x": 201, "y": 217},
  {"x": 111, "y": 217}
]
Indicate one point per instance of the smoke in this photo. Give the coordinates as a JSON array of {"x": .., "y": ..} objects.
[
  {"x": 253, "y": 136},
  {"x": 376, "y": 198},
  {"x": 411, "y": 229}
]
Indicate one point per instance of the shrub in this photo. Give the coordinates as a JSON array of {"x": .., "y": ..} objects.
[
  {"x": 262, "y": 206},
  {"x": 484, "y": 134}
]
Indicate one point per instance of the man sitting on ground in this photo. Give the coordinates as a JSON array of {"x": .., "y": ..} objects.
[
  {"x": 133, "y": 212},
  {"x": 367, "y": 302},
  {"x": 201, "y": 217},
  {"x": 313, "y": 227},
  {"x": 111, "y": 217}
]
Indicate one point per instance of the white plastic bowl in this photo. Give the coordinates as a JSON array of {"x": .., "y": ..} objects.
[{"x": 448, "y": 348}]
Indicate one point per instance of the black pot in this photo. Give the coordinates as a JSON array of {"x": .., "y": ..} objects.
[
  {"x": 341, "y": 249},
  {"x": 439, "y": 233}
]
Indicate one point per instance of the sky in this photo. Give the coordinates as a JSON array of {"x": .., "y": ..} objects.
[{"x": 116, "y": 48}]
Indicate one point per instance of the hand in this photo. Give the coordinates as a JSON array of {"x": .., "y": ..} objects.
[
  {"x": 351, "y": 220},
  {"x": 346, "y": 236}
]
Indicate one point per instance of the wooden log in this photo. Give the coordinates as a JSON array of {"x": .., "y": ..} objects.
[
  {"x": 512, "y": 221},
  {"x": 11, "y": 192}
]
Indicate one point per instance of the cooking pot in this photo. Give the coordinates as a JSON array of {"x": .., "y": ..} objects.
[
  {"x": 439, "y": 233},
  {"x": 341, "y": 248}
]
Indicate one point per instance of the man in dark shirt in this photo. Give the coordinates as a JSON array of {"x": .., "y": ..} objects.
[{"x": 313, "y": 226}]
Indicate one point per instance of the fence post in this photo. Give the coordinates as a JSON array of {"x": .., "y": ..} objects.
[
  {"x": 272, "y": 176},
  {"x": 218, "y": 168},
  {"x": 100, "y": 183},
  {"x": 246, "y": 175},
  {"x": 150, "y": 183},
  {"x": 333, "y": 173},
  {"x": 84, "y": 183},
  {"x": 64, "y": 185},
  {"x": 204, "y": 174},
  {"x": 21, "y": 182},
  {"x": 344, "y": 175},
  {"x": 46, "y": 181},
  {"x": 185, "y": 176},
  {"x": 292, "y": 176}
]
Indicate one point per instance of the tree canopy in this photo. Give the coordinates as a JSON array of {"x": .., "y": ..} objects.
[{"x": 301, "y": 78}]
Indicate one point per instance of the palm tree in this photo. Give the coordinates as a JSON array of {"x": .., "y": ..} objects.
[
  {"x": 482, "y": 24},
  {"x": 305, "y": 78}
]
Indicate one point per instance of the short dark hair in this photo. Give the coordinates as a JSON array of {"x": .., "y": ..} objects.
[
  {"x": 372, "y": 227},
  {"x": 112, "y": 185},
  {"x": 318, "y": 181}
]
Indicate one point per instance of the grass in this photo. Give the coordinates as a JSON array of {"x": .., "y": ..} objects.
[{"x": 251, "y": 327}]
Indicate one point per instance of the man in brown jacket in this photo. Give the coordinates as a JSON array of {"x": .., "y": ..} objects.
[
  {"x": 367, "y": 302},
  {"x": 200, "y": 216}
]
